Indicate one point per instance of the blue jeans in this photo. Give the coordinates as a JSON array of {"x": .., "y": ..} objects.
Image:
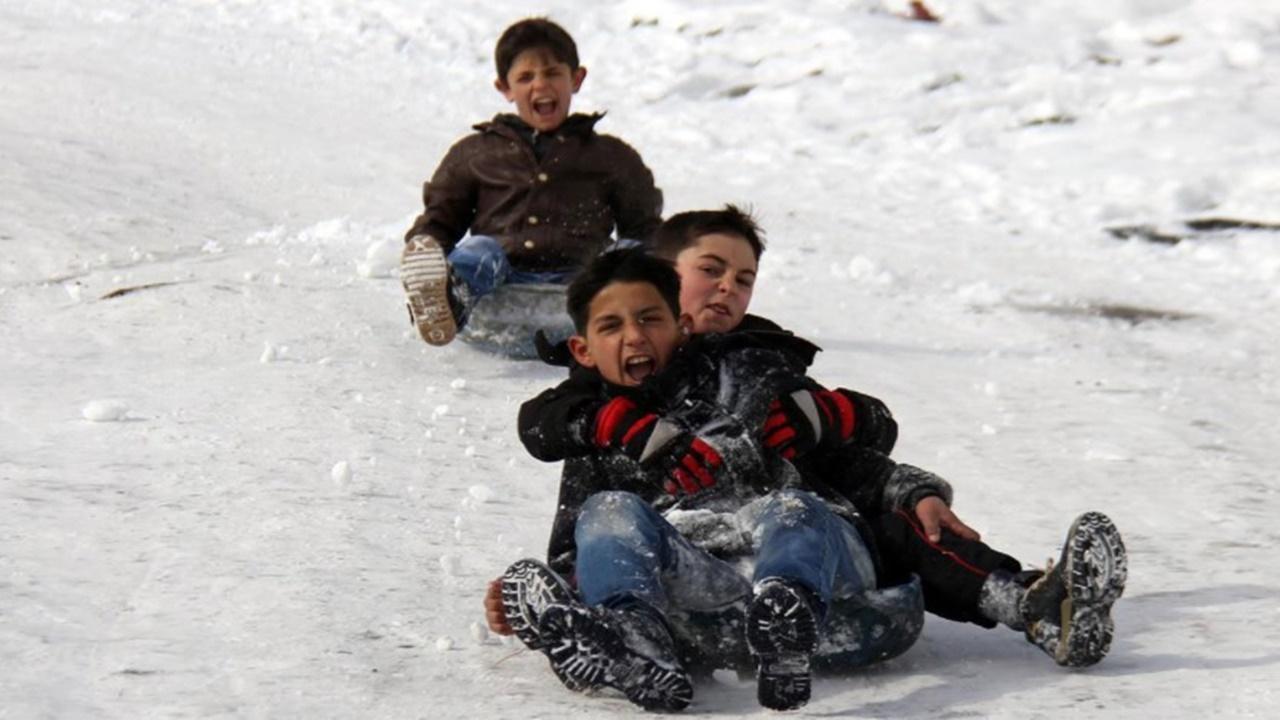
[
  {"x": 480, "y": 262},
  {"x": 627, "y": 552}
]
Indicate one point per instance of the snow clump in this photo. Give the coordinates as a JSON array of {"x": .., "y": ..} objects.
[
  {"x": 1243, "y": 55},
  {"x": 380, "y": 259},
  {"x": 450, "y": 564},
  {"x": 341, "y": 473},
  {"x": 864, "y": 269},
  {"x": 980, "y": 294},
  {"x": 105, "y": 411}
]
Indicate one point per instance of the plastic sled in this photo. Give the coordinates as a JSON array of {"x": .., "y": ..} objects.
[
  {"x": 504, "y": 323},
  {"x": 859, "y": 631}
]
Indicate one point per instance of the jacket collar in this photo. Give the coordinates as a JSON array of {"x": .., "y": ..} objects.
[{"x": 510, "y": 125}]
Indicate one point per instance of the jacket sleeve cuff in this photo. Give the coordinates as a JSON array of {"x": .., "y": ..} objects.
[{"x": 909, "y": 485}]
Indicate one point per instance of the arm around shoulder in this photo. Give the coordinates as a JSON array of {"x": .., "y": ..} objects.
[
  {"x": 873, "y": 426},
  {"x": 556, "y": 424}
]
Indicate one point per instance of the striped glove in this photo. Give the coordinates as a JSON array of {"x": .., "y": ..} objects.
[
  {"x": 637, "y": 433},
  {"x": 696, "y": 468},
  {"x": 805, "y": 419}
]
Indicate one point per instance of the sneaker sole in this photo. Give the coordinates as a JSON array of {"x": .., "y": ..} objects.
[
  {"x": 783, "y": 634},
  {"x": 529, "y": 587},
  {"x": 1096, "y": 569},
  {"x": 425, "y": 277},
  {"x": 588, "y": 651}
]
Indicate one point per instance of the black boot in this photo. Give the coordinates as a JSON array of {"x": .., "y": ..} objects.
[
  {"x": 782, "y": 630},
  {"x": 1067, "y": 611},
  {"x": 528, "y": 588},
  {"x": 629, "y": 650}
]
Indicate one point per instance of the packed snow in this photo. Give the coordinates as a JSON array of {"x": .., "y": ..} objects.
[{"x": 237, "y": 484}]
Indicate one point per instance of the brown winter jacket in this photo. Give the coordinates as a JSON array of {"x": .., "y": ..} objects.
[{"x": 549, "y": 213}]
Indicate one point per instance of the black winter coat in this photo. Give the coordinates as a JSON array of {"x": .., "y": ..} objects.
[{"x": 718, "y": 387}]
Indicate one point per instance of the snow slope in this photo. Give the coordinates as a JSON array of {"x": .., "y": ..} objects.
[{"x": 249, "y": 490}]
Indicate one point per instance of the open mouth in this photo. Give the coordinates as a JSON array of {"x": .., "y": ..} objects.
[
  {"x": 639, "y": 367},
  {"x": 544, "y": 108},
  {"x": 719, "y": 309}
]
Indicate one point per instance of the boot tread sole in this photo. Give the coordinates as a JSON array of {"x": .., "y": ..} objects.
[
  {"x": 424, "y": 274},
  {"x": 783, "y": 634},
  {"x": 589, "y": 650},
  {"x": 1096, "y": 569},
  {"x": 528, "y": 587}
]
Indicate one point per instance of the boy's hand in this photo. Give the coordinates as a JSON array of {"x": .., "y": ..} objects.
[
  {"x": 687, "y": 468},
  {"x": 622, "y": 425},
  {"x": 494, "y": 614},
  {"x": 805, "y": 419},
  {"x": 696, "y": 468},
  {"x": 934, "y": 516}
]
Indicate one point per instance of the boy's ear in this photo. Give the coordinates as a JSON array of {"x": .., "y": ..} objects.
[
  {"x": 578, "y": 76},
  {"x": 578, "y": 348},
  {"x": 685, "y": 321},
  {"x": 503, "y": 89}
]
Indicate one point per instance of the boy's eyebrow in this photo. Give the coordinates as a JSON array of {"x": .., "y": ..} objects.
[
  {"x": 613, "y": 316},
  {"x": 722, "y": 261},
  {"x": 597, "y": 319}
]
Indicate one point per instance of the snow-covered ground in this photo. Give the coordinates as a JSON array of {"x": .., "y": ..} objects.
[{"x": 251, "y": 491}]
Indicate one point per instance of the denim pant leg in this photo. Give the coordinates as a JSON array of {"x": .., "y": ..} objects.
[
  {"x": 627, "y": 553},
  {"x": 480, "y": 262},
  {"x": 800, "y": 539},
  {"x": 550, "y": 277}
]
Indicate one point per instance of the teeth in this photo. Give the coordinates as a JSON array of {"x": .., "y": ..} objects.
[{"x": 638, "y": 361}]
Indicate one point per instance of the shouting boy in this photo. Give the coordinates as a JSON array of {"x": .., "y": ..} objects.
[
  {"x": 539, "y": 192},
  {"x": 642, "y": 572}
]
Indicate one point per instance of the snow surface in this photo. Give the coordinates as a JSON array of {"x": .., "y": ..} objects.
[{"x": 247, "y": 489}]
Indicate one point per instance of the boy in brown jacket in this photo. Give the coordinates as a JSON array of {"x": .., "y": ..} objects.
[{"x": 536, "y": 194}]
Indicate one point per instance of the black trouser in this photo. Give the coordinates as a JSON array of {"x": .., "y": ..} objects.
[{"x": 951, "y": 570}]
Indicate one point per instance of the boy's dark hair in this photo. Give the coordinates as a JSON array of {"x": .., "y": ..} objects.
[
  {"x": 617, "y": 266},
  {"x": 683, "y": 229},
  {"x": 531, "y": 33}
]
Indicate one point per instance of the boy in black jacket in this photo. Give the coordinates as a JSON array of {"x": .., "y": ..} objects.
[{"x": 719, "y": 495}]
